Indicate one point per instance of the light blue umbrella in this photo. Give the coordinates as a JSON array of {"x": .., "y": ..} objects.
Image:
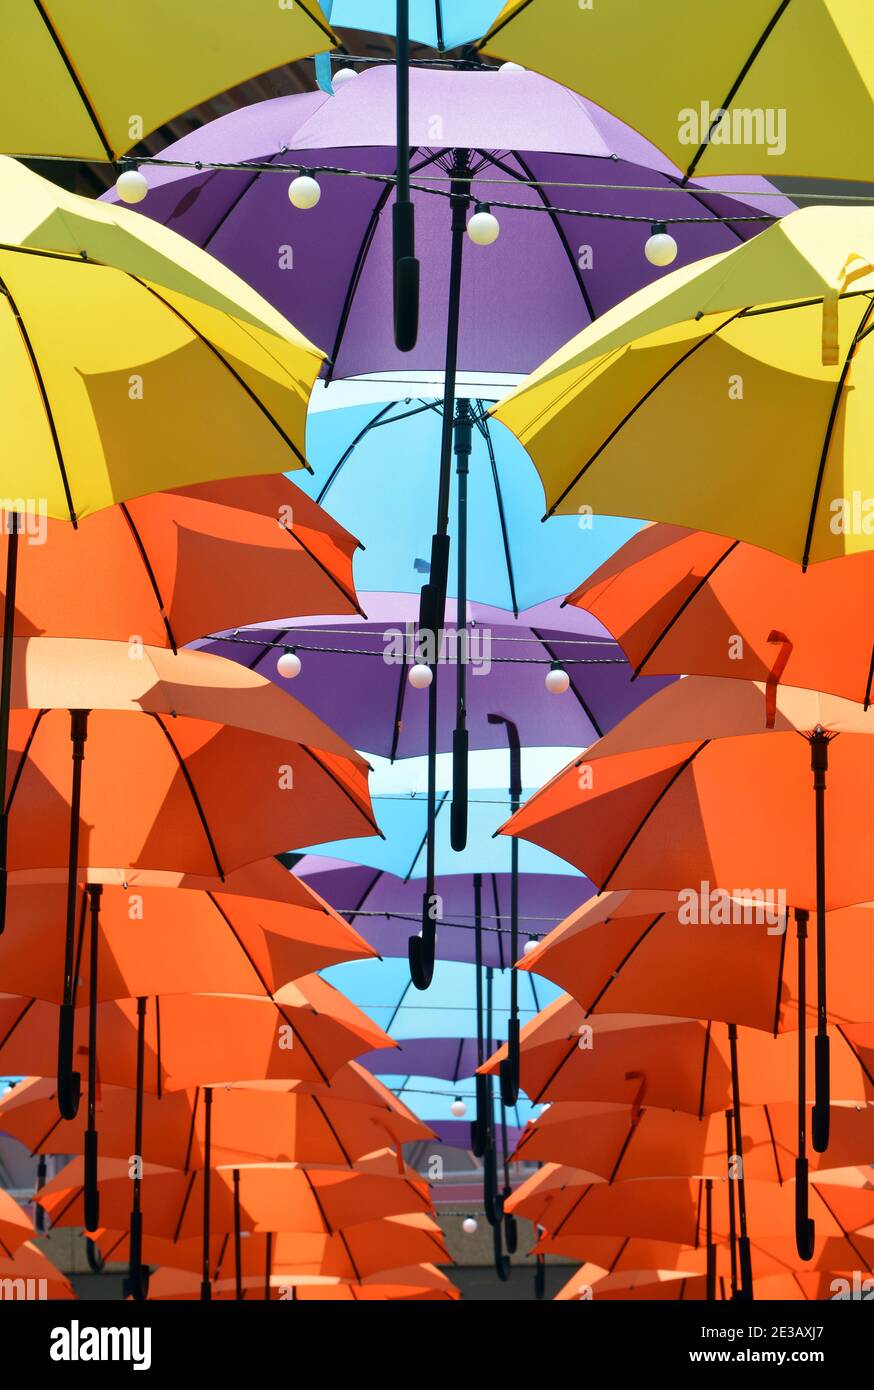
[
  {"x": 441, "y": 24},
  {"x": 373, "y": 465}
]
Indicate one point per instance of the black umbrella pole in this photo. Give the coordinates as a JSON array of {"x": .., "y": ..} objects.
[
  {"x": 238, "y": 1239},
  {"x": 69, "y": 1081},
  {"x": 39, "y": 1214},
  {"x": 422, "y": 949},
  {"x": 92, "y": 1191},
  {"x": 743, "y": 1244},
  {"x": 479, "y": 1130},
  {"x": 822, "y": 1081},
  {"x": 205, "y": 1284},
  {"x": 804, "y": 1228},
  {"x": 406, "y": 267},
  {"x": 732, "y": 1229},
  {"x": 136, "y": 1285},
  {"x": 6, "y": 694},
  {"x": 460, "y": 737},
  {"x": 711, "y": 1248},
  {"x": 511, "y": 1066}
]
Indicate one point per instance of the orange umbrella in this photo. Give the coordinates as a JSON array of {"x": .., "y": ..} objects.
[
  {"x": 15, "y": 1226},
  {"x": 664, "y": 801},
  {"x": 672, "y": 1063},
  {"x": 411, "y": 1283},
  {"x": 33, "y": 1275},
  {"x": 356, "y": 1253},
  {"x": 688, "y": 601},
  {"x": 620, "y": 1142},
  {"x": 618, "y": 953},
  {"x": 178, "y": 728},
  {"x": 661, "y": 1285},
  {"x": 173, "y": 566}
]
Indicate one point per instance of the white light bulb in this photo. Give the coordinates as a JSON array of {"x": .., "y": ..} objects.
[
  {"x": 342, "y": 76},
  {"x": 420, "y": 676},
  {"x": 469, "y": 1226},
  {"x": 459, "y": 1109},
  {"x": 483, "y": 228},
  {"x": 661, "y": 248},
  {"x": 289, "y": 665},
  {"x": 530, "y": 946},
  {"x": 304, "y": 192},
  {"x": 557, "y": 680},
  {"x": 131, "y": 186},
  {"x": 511, "y": 67}
]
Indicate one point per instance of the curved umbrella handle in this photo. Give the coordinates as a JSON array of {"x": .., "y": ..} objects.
[
  {"x": 820, "y": 1126},
  {"x": 95, "y": 1260},
  {"x": 511, "y": 1231},
  {"x": 91, "y": 1191},
  {"x": 540, "y": 1279},
  {"x": 458, "y": 821},
  {"x": 510, "y": 1067},
  {"x": 479, "y": 1130},
  {"x": 502, "y": 1261},
  {"x": 39, "y": 1219},
  {"x": 406, "y": 278},
  {"x": 136, "y": 1283},
  {"x": 422, "y": 950},
  {"x": 805, "y": 1228},
  {"x": 69, "y": 1081}
]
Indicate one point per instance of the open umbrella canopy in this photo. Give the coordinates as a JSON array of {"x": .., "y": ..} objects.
[
  {"x": 273, "y": 1197},
  {"x": 330, "y": 267},
  {"x": 15, "y": 1226},
  {"x": 32, "y": 1266},
  {"x": 678, "y": 600},
  {"x": 173, "y": 565},
  {"x": 618, "y": 953},
  {"x": 784, "y": 87},
  {"x": 131, "y": 361},
  {"x": 270, "y": 1121},
  {"x": 100, "y": 106},
  {"x": 381, "y": 906},
  {"x": 508, "y": 662},
  {"x": 443, "y": 24},
  {"x": 763, "y": 351},
  {"x": 182, "y": 726},
  {"x": 673, "y": 1063},
  {"x": 419, "y": 1283},
  {"x": 306, "y": 1033}
]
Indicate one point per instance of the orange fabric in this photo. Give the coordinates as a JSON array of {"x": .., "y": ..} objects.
[
  {"x": 174, "y": 1284},
  {"x": 678, "y": 600},
  {"x": 307, "y": 1034},
  {"x": 684, "y": 1063},
  {"x": 280, "y": 1123},
  {"x": 618, "y": 953},
  {"x": 693, "y": 787},
  {"x": 273, "y": 1197},
  {"x": 15, "y": 1226},
  {"x": 165, "y": 734},
  {"x": 178, "y": 565},
  {"x": 29, "y": 1262}
]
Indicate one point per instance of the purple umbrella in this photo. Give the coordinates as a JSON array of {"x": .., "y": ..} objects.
[
  {"x": 381, "y": 907},
  {"x": 507, "y": 662}
]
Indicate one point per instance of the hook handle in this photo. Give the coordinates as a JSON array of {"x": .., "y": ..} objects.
[
  {"x": 490, "y": 1186},
  {"x": 479, "y": 1130},
  {"x": 511, "y": 1231},
  {"x": 406, "y": 277},
  {"x": 69, "y": 1081},
  {"x": 136, "y": 1284},
  {"x": 458, "y": 823},
  {"x": 805, "y": 1228},
  {"x": 91, "y": 1195},
  {"x": 422, "y": 949},
  {"x": 821, "y": 1107},
  {"x": 95, "y": 1260},
  {"x": 510, "y": 1067}
]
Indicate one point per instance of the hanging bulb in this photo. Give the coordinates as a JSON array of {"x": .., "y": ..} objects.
[
  {"x": 131, "y": 186},
  {"x": 557, "y": 679},
  {"x": 469, "y": 1226},
  {"x": 341, "y": 77},
  {"x": 289, "y": 664},
  {"x": 530, "y": 945},
  {"x": 483, "y": 228},
  {"x": 511, "y": 67},
  {"x": 304, "y": 192},
  {"x": 458, "y": 1108},
  {"x": 420, "y": 676},
  {"x": 661, "y": 249}
]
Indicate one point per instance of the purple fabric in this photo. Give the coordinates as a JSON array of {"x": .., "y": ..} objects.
[
  {"x": 389, "y": 718},
  {"x": 456, "y": 1133},
  {"x": 451, "y": 1059},
  {"x": 523, "y": 297},
  {"x": 358, "y": 892}
]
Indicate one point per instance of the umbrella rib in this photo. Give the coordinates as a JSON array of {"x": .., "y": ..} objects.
[
  {"x": 399, "y": 710},
  {"x": 360, "y": 809},
  {"x": 848, "y": 1236},
  {"x": 552, "y": 213},
  {"x": 253, "y": 395},
  {"x": 244, "y": 949},
  {"x": 549, "y": 1080},
  {"x": 349, "y": 595},
  {"x": 839, "y": 1030},
  {"x": 190, "y": 1142},
  {"x": 41, "y": 1143},
  {"x": 438, "y": 15},
  {"x": 870, "y": 678},
  {"x": 347, "y": 1157},
  {"x": 23, "y": 759},
  {"x": 189, "y": 1187},
  {"x": 780, "y": 969},
  {"x": 629, "y": 415},
  {"x": 235, "y": 203},
  {"x": 350, "y": 449},
  {"x": 580, "y": 698},
  {"x": 698, "y": 195},
  {"x": 705, "y": 1059},
  {"x": 567, "y": 1216},
  {"x": 409, "y": 874},
  {"x": 496, "y": 28},
  {"x": 192, "y": 791},
  {"x": 298, "y": 1036},
  {"x": 75, "y": 79},
  {"x": 499, "y": 917},
  {"x": 44, "y": 397},
  {"x": 624, "y": 961},
  {"x": 829, "y": 432},
  {"x": 736, "y": 85},
  {"x": 141, "y": 551},
  {"x": 618, "y": 1164},
  {"x": 325, "y": 1222},
  {"x": 773, "y": 1145},
  {"x": 28, "y": 1006},
  {"x": 687, "y": 603},
  {"x": 502, "y": 516},
  {"x": 687, "y": 762}
]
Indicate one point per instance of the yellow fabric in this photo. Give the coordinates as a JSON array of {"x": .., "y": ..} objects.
[
  {"x": 703, "y": 399},
  {"x": 132, "y": 358},
  {"x": 651, "y": 62},
  {"x": 137, "y": 66}
]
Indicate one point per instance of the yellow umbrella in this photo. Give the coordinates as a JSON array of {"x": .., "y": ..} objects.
[
  {"x": 735, "y": 395},
  {"x": 130, "y": 360},
  {"x": 776, "y": 86},
  {"x": 88, "y": 79}
]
